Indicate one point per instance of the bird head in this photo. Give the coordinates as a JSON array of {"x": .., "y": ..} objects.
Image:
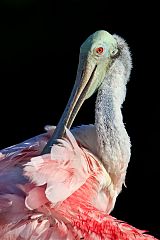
[{"x": 96, "y": 57}]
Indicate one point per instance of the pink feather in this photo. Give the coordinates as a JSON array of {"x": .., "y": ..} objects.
[{"x": 64, "y": 195}]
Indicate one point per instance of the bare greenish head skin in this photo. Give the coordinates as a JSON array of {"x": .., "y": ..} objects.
[
  {"x": 98, "y": 50},
  {"x": 98, "y": 39}
]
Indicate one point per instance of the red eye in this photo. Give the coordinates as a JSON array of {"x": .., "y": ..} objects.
[{"x": 99, "y": 50}]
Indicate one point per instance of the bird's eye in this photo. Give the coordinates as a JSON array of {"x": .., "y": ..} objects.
[{"x": 99, "y": 50}]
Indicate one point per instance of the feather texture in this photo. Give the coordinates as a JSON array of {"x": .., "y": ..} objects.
[{"x": 44, "y": 203}]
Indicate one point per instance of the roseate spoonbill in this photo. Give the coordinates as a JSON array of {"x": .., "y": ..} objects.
[{"x": 65, "y": 189}]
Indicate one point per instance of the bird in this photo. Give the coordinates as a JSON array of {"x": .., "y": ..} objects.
[{"x": 63, "y": 184}]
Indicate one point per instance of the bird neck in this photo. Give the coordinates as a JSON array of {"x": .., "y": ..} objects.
[{"x": 113, "y": 140}]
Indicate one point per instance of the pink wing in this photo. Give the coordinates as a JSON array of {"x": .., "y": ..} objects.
[
  {"x": 12, "y": 160},
  {"x": 63, "y": 195}
]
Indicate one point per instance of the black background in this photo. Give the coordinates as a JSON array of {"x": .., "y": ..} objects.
[{"x": 39, "y": 48}]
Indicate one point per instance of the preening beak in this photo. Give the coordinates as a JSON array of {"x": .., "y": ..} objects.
[
  {"x": 79, "y": 93},
  {"x": 90, "y": 74}
]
